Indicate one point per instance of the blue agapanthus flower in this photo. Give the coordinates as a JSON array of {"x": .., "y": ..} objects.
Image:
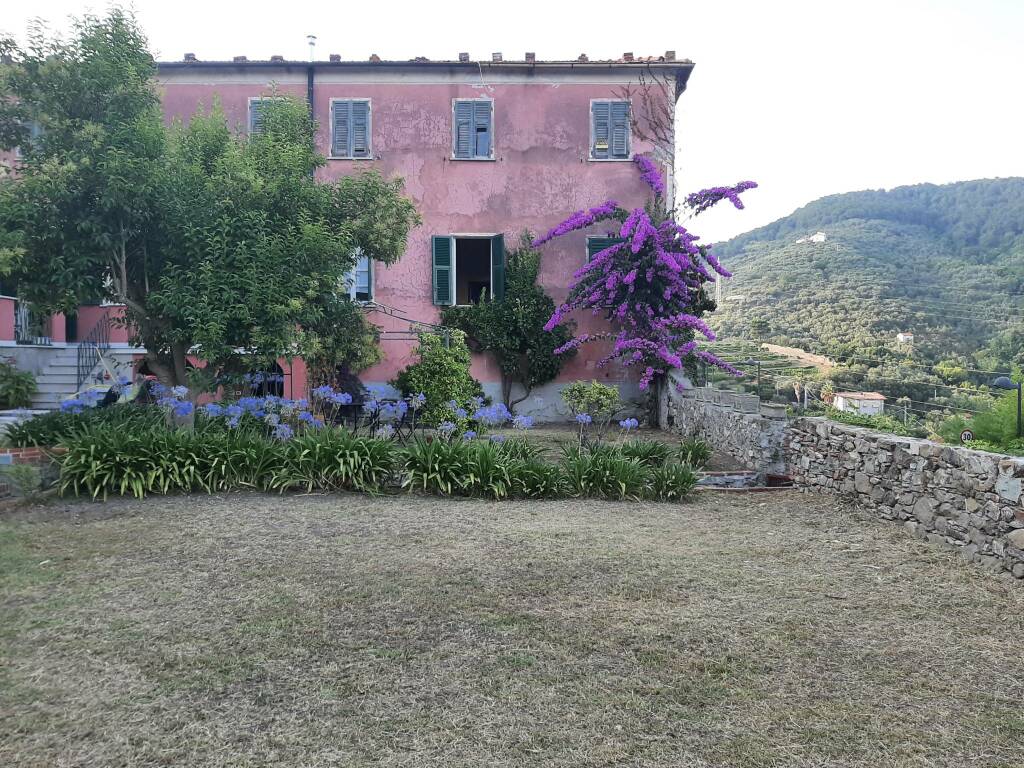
[
  {"x": 468, "y": 435},
  {"x": 183, "y": 408},
  {"x": 283, "y": 432},
  {"x": 179, "y": 391},
  {"x": 522, "y": 422},
  {"x": 584, "y": 418},
  {"x": 628, "y": 424},
  {"x": 213, "y": 409}
]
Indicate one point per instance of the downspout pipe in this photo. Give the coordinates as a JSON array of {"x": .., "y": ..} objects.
[{"x": 309, "y": 100}]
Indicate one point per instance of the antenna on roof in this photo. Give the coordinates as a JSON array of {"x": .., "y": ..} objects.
[{"x": 311, "y": 39}]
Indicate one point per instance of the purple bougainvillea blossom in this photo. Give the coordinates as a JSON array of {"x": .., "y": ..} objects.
[
  {"x": 701, "y": 201},
  {"x": 650, "y": 285},
  {"x": 650, "y": 174}
]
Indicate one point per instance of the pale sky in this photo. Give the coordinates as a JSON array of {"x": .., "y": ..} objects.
[{"x": 806, "y": 98}]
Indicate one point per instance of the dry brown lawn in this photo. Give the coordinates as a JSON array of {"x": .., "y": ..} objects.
[{"x": 736, "y": 630}]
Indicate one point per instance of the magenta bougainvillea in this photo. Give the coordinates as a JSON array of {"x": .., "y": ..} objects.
[{"x": 651, "y": 284}]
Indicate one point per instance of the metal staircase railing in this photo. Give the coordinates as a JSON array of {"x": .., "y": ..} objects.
[{"x": 92, "y": 347}]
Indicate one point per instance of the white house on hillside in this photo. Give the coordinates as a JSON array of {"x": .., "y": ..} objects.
[
  {"x": 817, "y": 237},
  {"x": 864, "y": 403},
  {"x": 905, "y": 338}
]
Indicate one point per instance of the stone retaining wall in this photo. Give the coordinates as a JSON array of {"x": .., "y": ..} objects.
[
  {"x": 736, "y": 424},
  {"x": 950, "y": 495}
]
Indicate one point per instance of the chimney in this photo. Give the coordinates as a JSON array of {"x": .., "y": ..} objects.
[
  {"x": 190, "y": 57},
  {"x": 374, "y": 57},
  {"x": 627, "y": 56},
  {"x": 670, "y": 55},
  {"x": 531, "y": 57},
  {"x": 335, "y": 57},
  {"x": 239, "y": 59},
  {"x": 496, "y": 56},
  {"x": 277, "y": 58},
  {"x": 463, "y": 57},
  {"x": 583, "y": 57}
]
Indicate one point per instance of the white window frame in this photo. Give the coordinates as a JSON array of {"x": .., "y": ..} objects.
[
  {"x": 350, "y": 279},
  {"x": 629, "y": 137},
  {"x": 369, "y": 127},
  {"x": 455, "y": 262},
  {"x": 494, "y": 137}
]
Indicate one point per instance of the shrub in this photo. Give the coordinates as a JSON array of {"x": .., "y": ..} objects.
[
  {"x": 25, "y": 480},
  {"x": 650, "y": 453},
  {"x": 604, "y": 474},
  {"x": 671, "y": 482},
  {"x": 441, "y": 374},
  {"x": 520, "y": 449},
  {"x": 334, "y": 459},
  {"x": 54, "y": 427},
  {"x": 16, "y": 386},
  {"x": 599, "y": 401},
  {"x": 694, "y": 452},
  {"x": 535, "y": 479},
  {"x": 436, "y": 466},
  {"x": 879, "y": 422},
  {"x": 487, "y": 471}
]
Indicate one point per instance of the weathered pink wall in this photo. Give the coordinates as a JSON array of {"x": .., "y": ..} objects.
[
  {"x": 90, "y": 314},
  {"x": 541, "y": 174},
  {"x": 7, "y": 318}
]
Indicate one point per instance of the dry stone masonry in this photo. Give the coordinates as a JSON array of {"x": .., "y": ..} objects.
[
  {"x": 946, "y": 494},
  {"x": 949, "y": 495},
  {"x": 732, "y": 423}
]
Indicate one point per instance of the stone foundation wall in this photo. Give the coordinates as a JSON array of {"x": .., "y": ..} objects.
[
  {"x": 953, "y": 496},
  {"x": 949, "y": 495},
  {"x": 732, "y": 423}
]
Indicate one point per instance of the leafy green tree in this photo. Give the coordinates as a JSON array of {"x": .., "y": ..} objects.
[
  {"x": 512, "y": 329},
  {"x": 215, "y": 243}
]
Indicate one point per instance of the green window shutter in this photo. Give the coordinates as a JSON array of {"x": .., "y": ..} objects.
[
  {"x": 600, "y": 115},
  {"x": 360, "y": 129},
  {"x": 462, "y": 130},
  {"x": 498, "y": 267},
  {"x": 441, "y": 250},
  {"x": 620, "y": 129},
  {"x": 597, "y": 244},
  {"x": 256, "y": 116},
  {"x": 341, "y": 117},
  {"x": 483, "y": 128}
]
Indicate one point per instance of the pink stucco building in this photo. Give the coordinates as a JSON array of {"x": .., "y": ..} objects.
[{"x": 486, "y": 150}]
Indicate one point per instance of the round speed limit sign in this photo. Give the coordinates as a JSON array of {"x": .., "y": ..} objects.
[{"x": 966, "y": 436}]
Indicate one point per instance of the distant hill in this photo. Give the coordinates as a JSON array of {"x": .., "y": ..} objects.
[{"x": 945, "y": 263}]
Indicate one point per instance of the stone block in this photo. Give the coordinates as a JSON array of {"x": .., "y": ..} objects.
[
  {"x": 924, "y": 510},
  {"x": 1016, "y": 538},
  {"x": 1008, "y": 487}
]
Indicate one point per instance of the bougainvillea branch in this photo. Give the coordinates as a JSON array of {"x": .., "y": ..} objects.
[{"x": 650, "y": 284}]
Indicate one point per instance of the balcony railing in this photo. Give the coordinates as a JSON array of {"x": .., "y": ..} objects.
[{"x": 30, "y": 326}]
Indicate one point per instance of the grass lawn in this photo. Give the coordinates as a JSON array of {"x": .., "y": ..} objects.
[{"x": 736, "y": 630}]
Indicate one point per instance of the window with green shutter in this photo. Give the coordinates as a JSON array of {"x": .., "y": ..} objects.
[
  {"x": 350, "y": 128},
  {"x": 473, "y": 129},
  {"x": 256, "y": 114},
  {"x": 597, "y": 244},
  {"x": 498, "y": 267},
  {"x": 609, "y": 129},
  {"x": 441, "y": 257}
]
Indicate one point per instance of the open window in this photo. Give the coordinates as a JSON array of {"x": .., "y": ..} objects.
[
  {"x": 360, "y": 279},
  {"x": 468, "y": 269}
]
